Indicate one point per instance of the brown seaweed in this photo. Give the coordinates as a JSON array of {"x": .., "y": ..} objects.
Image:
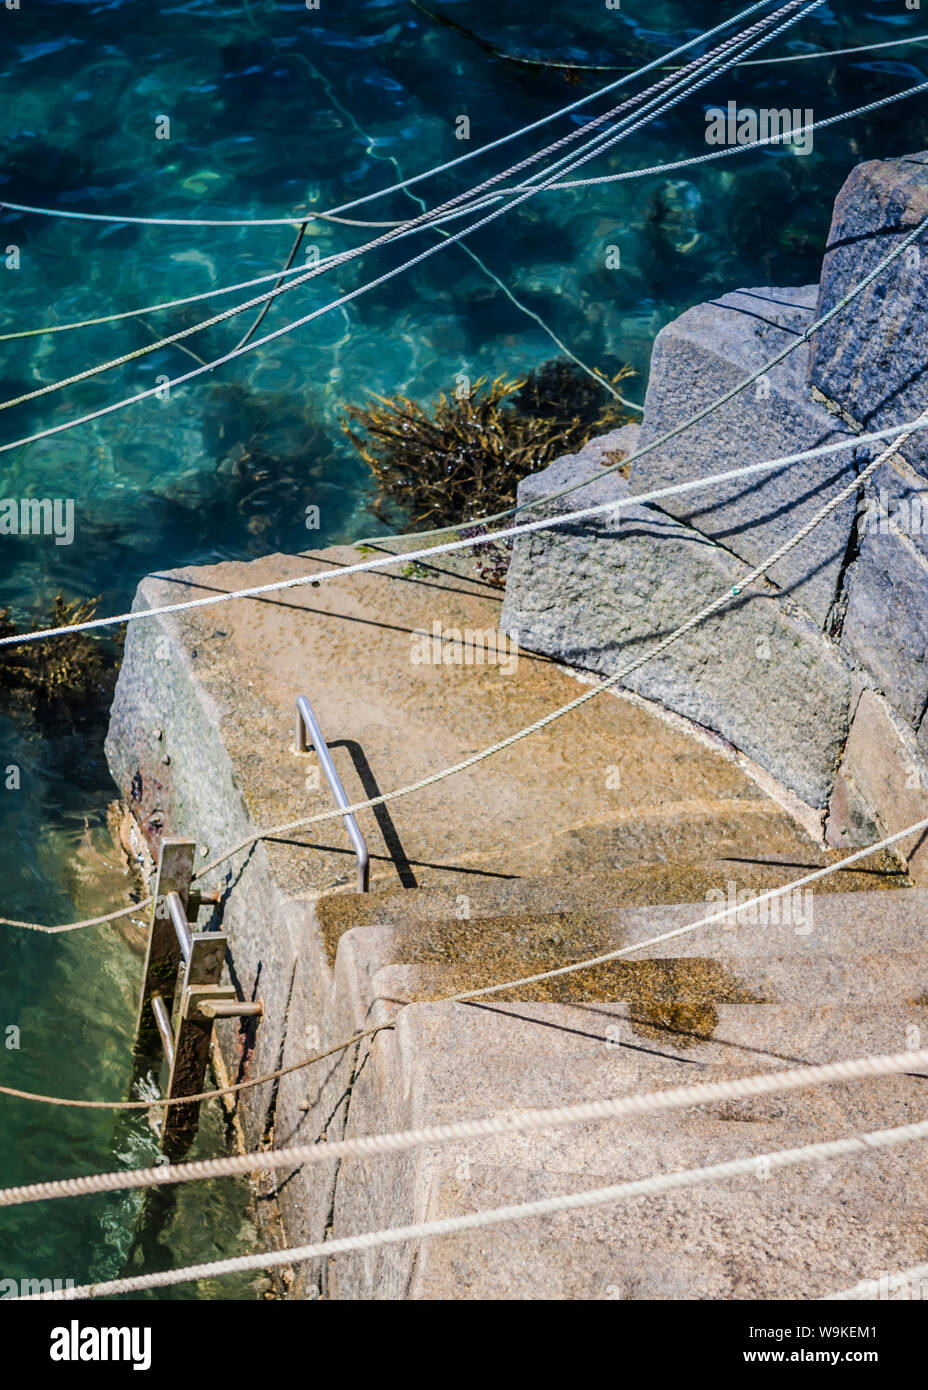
[
  {"x": 462, "y": 457},
  {"x": 61, "y": 680}
]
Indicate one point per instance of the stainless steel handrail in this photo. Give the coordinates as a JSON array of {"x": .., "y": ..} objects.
[
  {"x": 308, "y": 733},
  {"x": 181, "y": 925}
]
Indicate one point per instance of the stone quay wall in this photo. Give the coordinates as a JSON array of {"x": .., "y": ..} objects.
[{"x": 819, "y": 673}]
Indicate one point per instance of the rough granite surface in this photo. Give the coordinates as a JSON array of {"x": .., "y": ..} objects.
[
  {"x": 702, "y": 354},
  {"x": 598, "y": 593},
  {"x": 201, "y": 744},
  {"x": 878, "y": 371}
]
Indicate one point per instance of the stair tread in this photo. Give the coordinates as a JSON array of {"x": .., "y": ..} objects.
[{"x": 642, "y": 884}]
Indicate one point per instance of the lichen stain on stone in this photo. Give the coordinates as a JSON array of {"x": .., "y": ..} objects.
[
  {"x": 638, "y": 885},
  {"x": 680, "y": 997},
  {"x": 663, "y": 996}
]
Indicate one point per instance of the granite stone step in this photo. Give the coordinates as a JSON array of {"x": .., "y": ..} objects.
[
  {"x": 600, "y": 592},
  {"x": 679, "y": 880},
  {"x": 773, "y": 969},
  {"x": 449, "y": 1062},
  {"x": 796, "y": 1235}
]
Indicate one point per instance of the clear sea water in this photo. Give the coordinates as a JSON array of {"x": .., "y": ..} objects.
[{"x": 272, "y": 108}]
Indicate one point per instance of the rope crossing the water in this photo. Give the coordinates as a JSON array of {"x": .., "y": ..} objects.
[
  {"x": 702, "y": 69},
  {"x": 103, "y": 411},
  {"x": 300, "y": 216},
  {"x": 479, "y": 203},
  {"x": 794, "y": 343}
]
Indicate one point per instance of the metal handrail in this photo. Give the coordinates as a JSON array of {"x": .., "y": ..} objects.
[
  {"x": 181, "y": 925},
  {"x": 308, "y": 733}
]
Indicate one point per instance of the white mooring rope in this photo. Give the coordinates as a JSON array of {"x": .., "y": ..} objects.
[
  {"x": 704, "y": 71},
  {"x": 493, "y": 1126},
  {"x": 757, "y": 1165}
]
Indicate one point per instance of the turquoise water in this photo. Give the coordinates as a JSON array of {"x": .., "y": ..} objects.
[{"x": 272, "y": 108}]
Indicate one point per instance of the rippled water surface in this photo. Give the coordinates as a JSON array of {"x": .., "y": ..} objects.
[{"x": 275, "y": 109}]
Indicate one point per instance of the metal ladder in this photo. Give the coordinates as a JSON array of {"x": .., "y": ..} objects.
[{"x": 181, "y": 991}]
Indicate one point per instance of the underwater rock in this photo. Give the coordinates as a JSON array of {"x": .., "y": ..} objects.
[{"x": 674, "y": 213}]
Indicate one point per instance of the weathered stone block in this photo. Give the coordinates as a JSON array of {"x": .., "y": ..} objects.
[
  {"x": 886, "y": 624},
  {"x": 871, "y": 359},
  {"x": 896, "y": 498},
  {"x": 601, "y": 591},
  {"x": 698, "y": 357},
  {"x": 883, "y": 774}
]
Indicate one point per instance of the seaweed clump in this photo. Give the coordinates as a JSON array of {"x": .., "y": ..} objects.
[
  {"x": 464, "y": 455},
  {"x": 61, "y": 680}
]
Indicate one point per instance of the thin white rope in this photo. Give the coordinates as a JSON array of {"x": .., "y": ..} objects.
[
  {"x": 792, "y": 346},
  {"x": 833, "y": 52},
  {"x": 693, "y": 621},
  {"x": 724, "y": 915},
  {"x": 476, "y": 206},
  {"x": 298, "y": 218},
  {"x": 433, "y": 220},
  {"x": 600, "y": 138},
  {"x": 712, "y": 65},
  {"x": 761, "y": 1166},
  {"x": 601, "y": 381},
  {"x": 447, "y": 547},
  {"x": 332, "y": 215},
  {"x": 914, "y": 1281},
  {"x": 725, "y": 151},
  {"x": 225, "y": 289},
  {"x": 727, "y": 915},
  {"x": 489, "y": 1127}
]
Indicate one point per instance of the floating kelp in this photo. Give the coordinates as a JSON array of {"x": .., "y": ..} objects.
[
  {"x": 463, "y": 456},
  {"x": 60, "y": 681}
]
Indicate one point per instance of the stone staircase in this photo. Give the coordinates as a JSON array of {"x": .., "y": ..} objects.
[
  {"x": 612, "y": 825},
  {"x": 726, "y": 1002},
  {"x": 618, "y": 822}
]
